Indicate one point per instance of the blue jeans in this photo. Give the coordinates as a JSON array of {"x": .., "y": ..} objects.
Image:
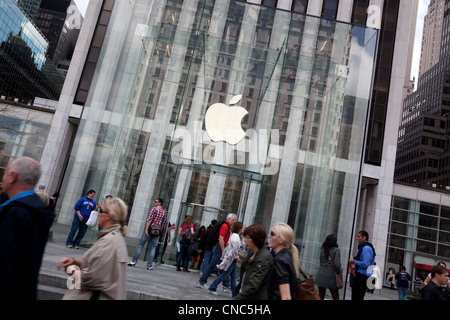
[
  {"x": 79, "y": 226},
  {"x": 402, "y": 293},
  {"x": 230, "y": 272},
  {"x": 206, "y": 259},
  {"x": 216, "y": 254},
  {"x": 185, "y": 249},
  {"x": 151, "y": 248}
]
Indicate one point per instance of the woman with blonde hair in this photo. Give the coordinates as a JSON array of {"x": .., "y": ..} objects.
[
  {"x": 282, "y": 278},
  {"x": 102, "y": 272}
]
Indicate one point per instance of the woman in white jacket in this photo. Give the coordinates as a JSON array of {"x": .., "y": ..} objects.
[{"x": 229, "y": 259}]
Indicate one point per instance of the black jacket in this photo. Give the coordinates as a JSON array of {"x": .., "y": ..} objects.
[
  {"x": 433, "y": 292},
  {"x": 282, "y": 272},
  {"x": 24, "y": 229}
]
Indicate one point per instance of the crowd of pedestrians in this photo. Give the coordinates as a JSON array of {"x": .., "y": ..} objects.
[{"x": 269, "y": 262}]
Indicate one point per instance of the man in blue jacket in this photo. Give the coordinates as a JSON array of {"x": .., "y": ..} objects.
[
  {"x": 364, "y": 262},
  {"x": 25, "y": 222},
  {"x": 83, "y": 209}
]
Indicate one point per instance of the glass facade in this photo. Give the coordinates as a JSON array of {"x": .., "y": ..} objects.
[
  {"x": 417, "y": 231},
  {"x": 304, "y": 83},
  {"x": 22, "y": 133},
  {"x": 25, "y": 71}
]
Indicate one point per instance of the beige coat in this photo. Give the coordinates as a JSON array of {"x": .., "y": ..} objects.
[{"x": 103, "y": 268}]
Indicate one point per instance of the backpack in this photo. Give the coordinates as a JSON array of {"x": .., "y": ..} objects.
[
  {"x": 187, "y": 236},
  {"x": 213, "y": 236}
]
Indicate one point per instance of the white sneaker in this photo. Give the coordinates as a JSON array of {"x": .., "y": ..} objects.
[
  {"x": 226, "y": 289},
  {"x": 213, "y": 292},
  {"x": 199, "y": 285},
  {"x": 131, "y": 263}
]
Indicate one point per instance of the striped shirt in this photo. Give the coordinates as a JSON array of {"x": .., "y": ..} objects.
[{"x": 157, "y": 217}]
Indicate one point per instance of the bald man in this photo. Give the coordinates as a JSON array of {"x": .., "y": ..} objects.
[{"x": 24, "y": 226}]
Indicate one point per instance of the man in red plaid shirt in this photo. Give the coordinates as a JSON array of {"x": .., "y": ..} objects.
[{"x": 156, "y": 217}]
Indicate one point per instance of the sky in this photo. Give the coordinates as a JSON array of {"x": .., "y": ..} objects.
[
  {"x": 82, "y": 5},
  {"x": 422, "y": 11}
]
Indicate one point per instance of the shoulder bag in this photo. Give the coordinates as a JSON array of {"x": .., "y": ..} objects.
[
  {"x": 337, "y": 276},
  {"x": 306, "y": 288},
  {"x": 153, "y": 231}
]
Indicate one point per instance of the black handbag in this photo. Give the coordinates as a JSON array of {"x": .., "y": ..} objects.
[{"x": 153, "y": 231}]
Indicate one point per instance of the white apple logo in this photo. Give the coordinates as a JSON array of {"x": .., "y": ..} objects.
[{"x": 223, "y": 123}]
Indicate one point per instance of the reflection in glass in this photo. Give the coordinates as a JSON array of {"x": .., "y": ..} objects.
[{"x": 304, "y": 83}]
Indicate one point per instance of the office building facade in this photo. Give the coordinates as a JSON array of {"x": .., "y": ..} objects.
[
  {"x": 419, "y": 232},
  {"x": 300, "y": 85},
  {"x": 25, "y": 70}
]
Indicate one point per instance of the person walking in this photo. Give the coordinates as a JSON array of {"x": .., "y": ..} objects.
[
  {"x": 363, "y": 261},
  {"x": 101, "y": 274},
  {"x": 156, "y": 218},
  {"x": 185, "y": 244},
  {"x": 24, "y": 228},
  {"x": 196, "y": 257},
  {"x": 255, "y": 266},
  {"x": 403, "y": 278},
  {"x": 204, "y": 247},
  {"x": 330, "y": 263},
  {"x": 437, "y": 288},
  {"x": 282, "y": 278},
  {"x": 218, "y": 243},
  {"x": 83, "y": 209},
  {"x": 229, "y": 259}
]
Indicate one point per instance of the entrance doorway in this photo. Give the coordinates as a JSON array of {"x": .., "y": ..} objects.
[{"x": 206, "y": 192}]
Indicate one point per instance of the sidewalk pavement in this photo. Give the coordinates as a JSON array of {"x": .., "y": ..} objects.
[{"x": 162, "y": 283}]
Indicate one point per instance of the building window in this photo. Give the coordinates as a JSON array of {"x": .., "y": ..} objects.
[
  {"x": 300, "y": 6},
  {"x": 269, "y": 3},
  {"x": 359, "y": 13},
  {"x": 330, "y": 8}
]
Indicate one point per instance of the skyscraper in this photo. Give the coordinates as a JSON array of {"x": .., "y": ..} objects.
[
  {"x": 50, "y": 20},
  {"x": 25, "y": 71},
  {"x": 30, "y": 7},
  {"x": 432, "y": 35},
  {"x": 423, "y": 156}
]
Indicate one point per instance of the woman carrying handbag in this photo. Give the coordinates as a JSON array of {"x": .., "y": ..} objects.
[{"x": 330, "y": 268}]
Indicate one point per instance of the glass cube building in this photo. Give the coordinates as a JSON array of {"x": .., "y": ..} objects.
[{"x": 299, "y": 86}]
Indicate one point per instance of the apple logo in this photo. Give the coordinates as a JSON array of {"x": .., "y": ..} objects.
[{"x": 223, "y": 123}]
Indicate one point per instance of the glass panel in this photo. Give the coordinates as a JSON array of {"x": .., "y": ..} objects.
[
  {"x": 426, "y": 247},
  {"x": 444, "y": 225},
  {"x": 445, "y": 212},
  {"x": 25, "y": 70},
  {"x": 403, "y": 203},
  {"x": 399, "y": 215},
  {"x": 398, "y": 228},
  {"x": 426, "y": 221},
  {"x": 426, "y": 234},
  {"x": 444, "y": 251},
  {"x": 428, "y": 208},
  {"x": 444, "y": 238},
  {"x": 295, "y": 81},
  {"x": 300, "y": 5}
]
